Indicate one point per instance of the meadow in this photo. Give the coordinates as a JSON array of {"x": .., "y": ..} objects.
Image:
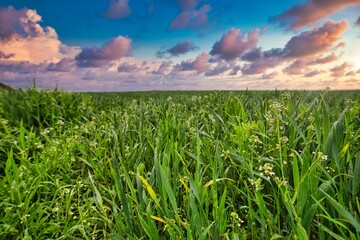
[{"x": 180, "y": 165}]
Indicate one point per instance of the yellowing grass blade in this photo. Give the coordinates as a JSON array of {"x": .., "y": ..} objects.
[
  {"x": 159, "y": 219},
  {"x": 217, "y": 180},
  {"x": 185, "y": 185},
  {"x": 344, "y": 150},
  {"x": 148, "y": 188}
]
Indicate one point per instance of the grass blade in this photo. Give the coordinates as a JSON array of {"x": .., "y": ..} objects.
[
  {"x": 356, "y": 176},
  {"x": 342, "y": 211},
  {"x": 149, "y": 189},
  {"x": 98, "y": 198}
]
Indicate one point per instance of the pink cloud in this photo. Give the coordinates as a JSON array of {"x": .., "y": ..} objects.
[
  {"x": 134, "y": 66},
  {"x": 235, "y": 69},
  {"x": 163, "y": 68},
  {"x": 312, "y": 11},
  {"x": 357, "y": 23},
  {"x": 316, "y": 40},
  {"x": 351, "y": 73},
  {"x": 260, "y": 66},
  {"x": 313, "y": 73},
  {"x": 340, "y": 45},
  {"x": 64, "y": 65},
  {"x": 187, "y": 4},
  {"x": 296, "y": 68},
  {"x": 274, "y": 52},
  {"x": 340, "y": 70},
  {"x": 302, "y": 47},
  {"x": 36, "y": 50},
  {"x": 178, "y": 49},
  {"x": 21, "y": 24},
  {"x": 218, "y": 69},
  {"x": 22, "y": 67},
  {"x": 200, "y": 64},
  {"x": 305, "y": 44},
  {"x": 233, "y": 44},
  {"x": 323, "y": 60},
  {"x": 191, "y": 18},
  {"x": 6, "y": 56},
  {"x": 126, "y": 67},
  {"x": 252, "y": 55},
  {"x": 271, "y": 75},
  {"x": 114, "y": 49},
  {"x": 117, "y": 9},
  {"x": 23, "y": 39}
]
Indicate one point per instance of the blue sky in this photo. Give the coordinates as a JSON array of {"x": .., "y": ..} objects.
[
  {"x": 143, "y": 23},
  {"x": 126, "y": 45}
]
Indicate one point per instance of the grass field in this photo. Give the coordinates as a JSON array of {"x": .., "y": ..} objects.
[{"x": 180, "y": 165}]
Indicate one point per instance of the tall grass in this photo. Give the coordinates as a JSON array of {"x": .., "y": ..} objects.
[{"x": 180, "y": 165}]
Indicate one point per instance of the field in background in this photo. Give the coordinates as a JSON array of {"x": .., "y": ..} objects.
[{"x": 180, "y": 165}]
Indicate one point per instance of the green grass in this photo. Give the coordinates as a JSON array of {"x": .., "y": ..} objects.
[{"x": 180, "y": 165}]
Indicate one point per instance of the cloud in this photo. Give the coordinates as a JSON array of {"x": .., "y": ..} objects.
[
  {"x": 189, "y": 16},
  {"x": 274, "y": 52},
  {"x": 300, "y": 66},
  {"x": 357, "y": 23},
  {"x": 217, "y": 70},
  {"x": 114, "y": 49},
  {"x": 22, "y": 38},
  {"x": 340, "y": 70},
  {"x": 235, "y": 69},
  {"x": 323, "y": 60},
  {"x": 126, "y": 67},
  {"x": 200, "y": 64},
  {"x": 340, "y": 45},
  {"x": 260, "y": 66},
  {"x": 6, "y": 56},
  {"x": 233, "y": 44},
  {"x": 316, "y": 40},
  {"x": 301, "y": 47},
  {"x": 178, "y": 49},
  {"x": 22, "y": 67},
  {"x": 312, "y": 11},
  {"x": 351, "y": 73},
  {"x": 192, "y": 19},
  {"x": 64, "y": 65},
  {"x": 271, "y": 75},
  {"x": 163, "y": 68},
  {"x": 32, "y": 50},
  {"x": 117, "y": 9},
  {"x": 313, "y": 73},
  {"x": 187, "y": 4},
  {"x": 150, "y": 8},
  {"x": 296, "y": 68},
  {"x": 21, "y": 24},
  {"x": 36, "y": 50},
  {"x": 252, "y": 55}
]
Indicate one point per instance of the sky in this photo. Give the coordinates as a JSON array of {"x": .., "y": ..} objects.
[{"x": 141, "y": 45}]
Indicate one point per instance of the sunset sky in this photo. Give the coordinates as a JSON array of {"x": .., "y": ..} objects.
[{"x": 134, "y": 45}]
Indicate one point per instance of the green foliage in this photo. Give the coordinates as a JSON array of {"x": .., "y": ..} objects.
[
  {"x": 41, "y": 108},
  {"x": 179, "y": 165}
]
